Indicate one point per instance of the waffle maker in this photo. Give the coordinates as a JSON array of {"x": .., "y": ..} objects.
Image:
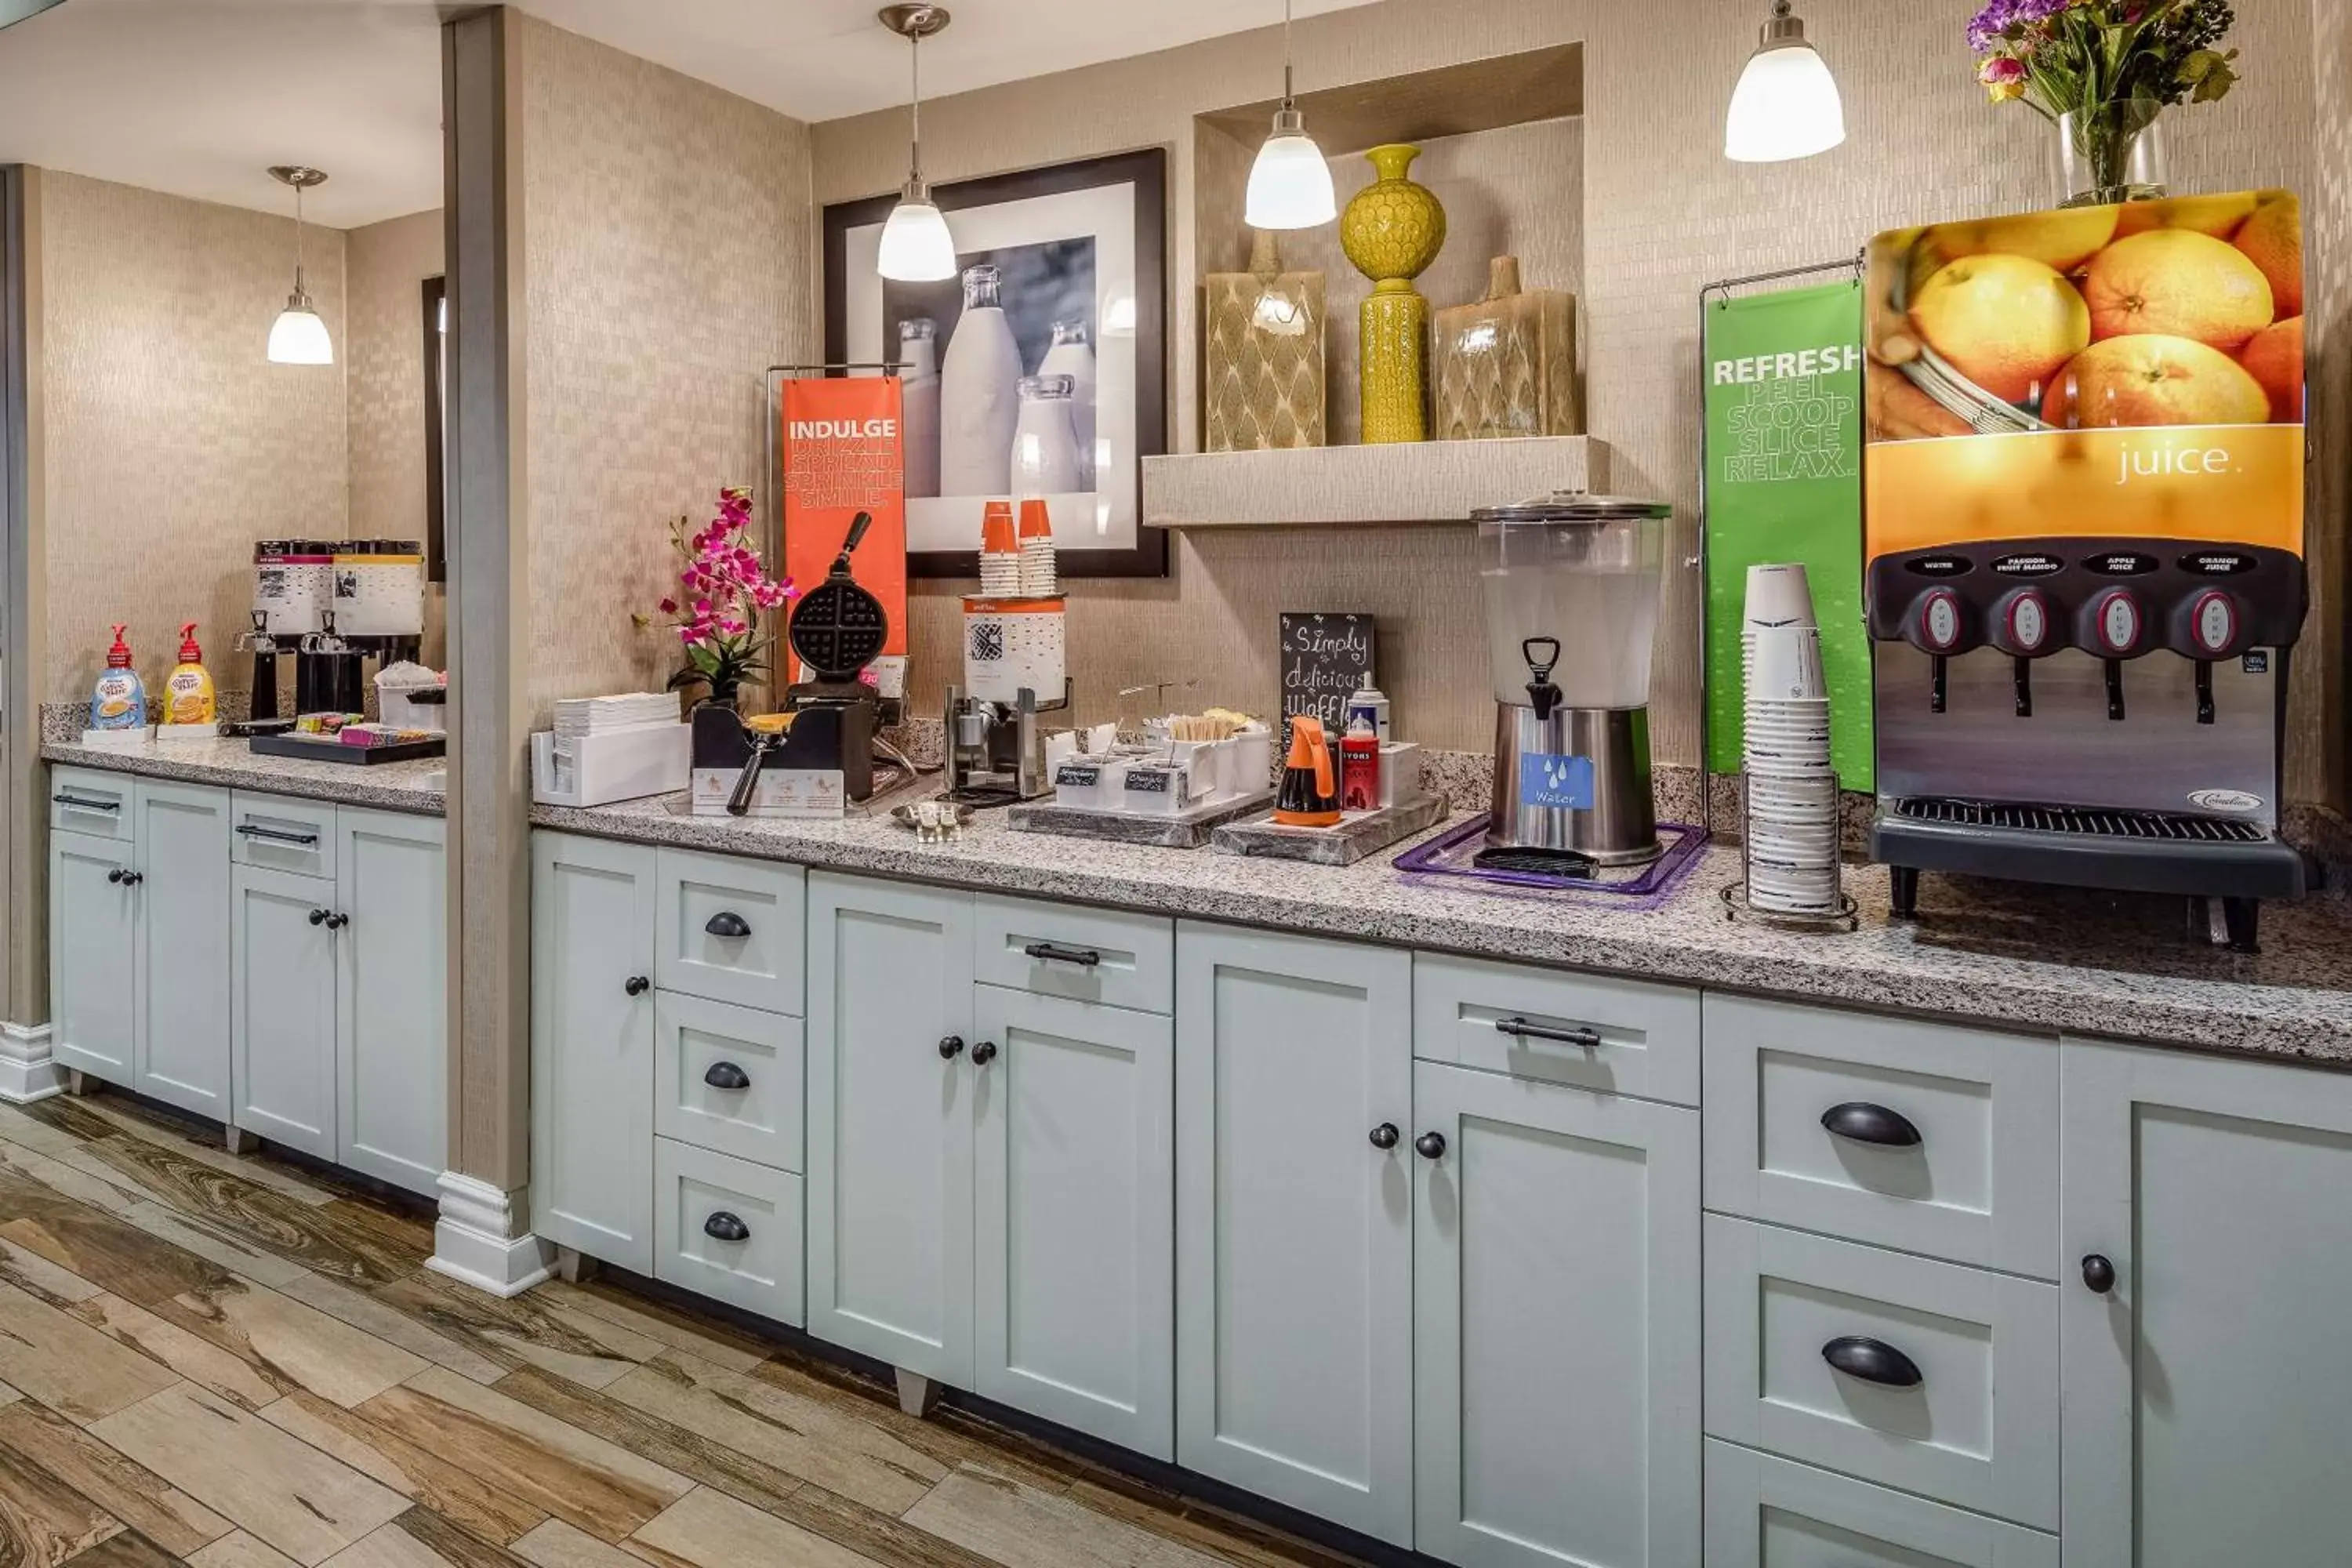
[{"x": 837, "y": 629}]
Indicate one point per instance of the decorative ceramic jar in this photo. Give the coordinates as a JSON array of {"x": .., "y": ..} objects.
[
  {"x": 1392, "y": 231},
  {"x": 1507, "y": 364},
  {"x": 1264, "y": 334}
]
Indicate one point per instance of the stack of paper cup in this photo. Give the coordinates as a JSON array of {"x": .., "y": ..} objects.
[
  {"x": 1040, "y": 574},
  {"x": 999, "y": 554},
  {"x": 1793, "y": 794}
]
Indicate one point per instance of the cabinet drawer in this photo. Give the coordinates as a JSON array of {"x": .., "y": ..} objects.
[
  {"x": 1763, "y": 1513},
  {"x": 86, "y": 801},
  {"x": 727, "y": 1078},
  {"x": 1978, "y": 1425},
  {"x": 727, "y": 1230},
  {"x": 1918, "y": 1136},
  {"x": 730, "y": 929},
  {"x": 1615, "y": 1036},
  {"x": 281, "y": 834},
  {"x": 1067, "y": 949}
]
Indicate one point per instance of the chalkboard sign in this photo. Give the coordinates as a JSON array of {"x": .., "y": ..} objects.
[{"x": 1326, "y": 658}]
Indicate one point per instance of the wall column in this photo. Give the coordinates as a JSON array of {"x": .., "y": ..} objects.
[
  {"x": 483, "y": 1236},
  {"x": 27, "y": 1072}
]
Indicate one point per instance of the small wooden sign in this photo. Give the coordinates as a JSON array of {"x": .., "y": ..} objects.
[{"x": 1326, "y": 658}]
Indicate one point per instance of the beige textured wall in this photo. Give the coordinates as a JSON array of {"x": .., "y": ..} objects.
[
  {"x": 386, "y": 265},
  {"x": 2328, "y": 252},
  {"x": 1662, "y": 213},
  {"x": 670, "y": 257},
  {"x": 172, "y": 443}
]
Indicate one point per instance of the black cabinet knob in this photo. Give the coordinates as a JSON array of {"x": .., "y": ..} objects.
[
  {"x": 1873, "y": 1361},
  {"x": 1431, "y": 1145},
  {"x": 727, "y": 923},
  {"x": 1385, "y": 1135},
  {"x": 2099, "y": 1274},
  {"x": 133, "y": 878},
  {"x": 950, "y": 1047},
  {"x": 318, "y": 917},
  {"x": 983, "y": 1053},
  {"x": 726, "y": 1075},
  {"x": 1859, "y": 1121},
  {"x": 724, "y": 1226},
  {"x": 116, "y": 875},
  {"x": 637, "y": 986},
  {"x": 338, "y": 922}
]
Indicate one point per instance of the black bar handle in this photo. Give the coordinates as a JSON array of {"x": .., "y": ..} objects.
[
  {"x": 1587, "y": 1038},
  {"x": 1859, "y": 1121},
  {"x": 80, "y": 805},
  {"x": 724, "y": 1226},
  {"x": 637, "y": 986},
  {"x": 2098, "y": 1274},
  {"x": 277, "y": 835},
  {"x": 1873, "y": 1361},
  {"x": 727, "y": 923},
  {"x": 1054, "y": 952},
  {"x": 726, "y": 1075},
  {"x": 1385, "y": 1135}
]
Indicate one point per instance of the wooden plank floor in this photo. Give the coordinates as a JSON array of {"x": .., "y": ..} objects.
[{"x": 233, "y": 1363}]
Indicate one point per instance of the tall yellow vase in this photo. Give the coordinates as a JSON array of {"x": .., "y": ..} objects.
[{"x": 1392, "y": 231}]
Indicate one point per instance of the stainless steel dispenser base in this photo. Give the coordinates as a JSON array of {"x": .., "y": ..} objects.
[{"x": 1620, "y": 828}]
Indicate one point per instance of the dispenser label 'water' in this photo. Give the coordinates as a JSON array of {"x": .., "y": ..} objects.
[{"x": 1556, "y": 782}]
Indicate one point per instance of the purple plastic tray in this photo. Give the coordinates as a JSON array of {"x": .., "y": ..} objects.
[{"x": 1451, "y": 854}]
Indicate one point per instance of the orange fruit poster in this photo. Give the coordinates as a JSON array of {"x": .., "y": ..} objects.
[{"x": 843, "y": 453}]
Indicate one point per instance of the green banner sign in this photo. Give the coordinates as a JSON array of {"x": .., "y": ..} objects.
[{"x": 1784, "y": 484}]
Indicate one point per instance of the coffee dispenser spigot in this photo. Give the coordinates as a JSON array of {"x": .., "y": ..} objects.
[
  {"x": 2021, "y": 629},
  {"x": 1542, "y": 695}
]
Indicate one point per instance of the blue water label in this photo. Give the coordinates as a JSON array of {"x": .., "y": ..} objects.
[{"x": 1561, "y": 784}]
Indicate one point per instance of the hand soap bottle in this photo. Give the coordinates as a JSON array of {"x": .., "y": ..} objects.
[
  {"x": 119, "y": 701},
  {"x": 188, "y": 694}
]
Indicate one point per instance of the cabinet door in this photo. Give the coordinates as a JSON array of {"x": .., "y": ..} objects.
[
  {"x": 2205, "y": 1419},
  {"x": 183, "y": 946},
  {"x": 592, "y": 1046},
  {"x": 1556, "y": 1324},
  {"x": 1074, "y": 1202},
  {"x": 890, "y": 1122},
  {"x": 1294, "y": 1232},
  {"x": 392, "y": 1027},
  {"x": 93, "y": 955},
  {"x": 282, "y": 1008}
]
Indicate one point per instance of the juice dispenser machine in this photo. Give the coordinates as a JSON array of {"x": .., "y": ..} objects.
[{"x": 2083, "y": 548}]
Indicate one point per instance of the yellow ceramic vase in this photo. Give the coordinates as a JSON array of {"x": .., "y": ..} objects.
[{"x": 1392, "y": 231}]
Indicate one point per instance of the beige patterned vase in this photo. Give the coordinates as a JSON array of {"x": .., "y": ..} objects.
[
  {"x": 1263, "y": 385},
  {"x": 1392, "y": 231},
  {"x": 1507, "y": 364}
]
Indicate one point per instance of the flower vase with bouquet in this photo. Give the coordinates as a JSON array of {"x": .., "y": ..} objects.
[{"x": 723, "y": 590}]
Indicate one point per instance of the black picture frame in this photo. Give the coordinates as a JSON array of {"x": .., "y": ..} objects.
[
  {"x": 436, "y": 371},
  {"x": 1147, "y": 169}
]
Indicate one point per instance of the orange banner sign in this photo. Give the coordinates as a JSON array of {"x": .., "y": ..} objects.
[{"x": 844, "y": 453}]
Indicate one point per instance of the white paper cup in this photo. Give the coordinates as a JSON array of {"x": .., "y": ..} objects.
[
  {"x": 1785, "y": 664},
  {"x": 1779, "y": 596}
]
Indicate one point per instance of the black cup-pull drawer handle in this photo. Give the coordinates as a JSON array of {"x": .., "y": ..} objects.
[
  {"x": 726, "y": 1075},
  {"x": 637, "y": 986},
  {"x": 1873, "y": 1361},
  {"x": 725, "y": 1226},
  {"x": 1587, "y": 1038},
  {"x": 2099, "y": 1274},
  {"x": 950, "y": 1047},
  {"x": 78, "y": 804},
  {"x": 279, "y": 835},
  {"x": 1859, "y": 1121},
  {"x": 1385, "y": 1135},
  {"x": 1054, "y": 952},
  {"x": 727, "y": 923},
  {"x": 1430, "y": 1145}
]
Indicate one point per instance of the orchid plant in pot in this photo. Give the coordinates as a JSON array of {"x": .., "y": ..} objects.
[
  {"x": 722, "y": 591},
  {"x": 2102, "y": 71}
]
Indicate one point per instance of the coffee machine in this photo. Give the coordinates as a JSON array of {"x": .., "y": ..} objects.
[
  {"x": 2082, "y": 594},
  {"x": 333, "y": 605},
  {"x": 1570, "y": 582}
]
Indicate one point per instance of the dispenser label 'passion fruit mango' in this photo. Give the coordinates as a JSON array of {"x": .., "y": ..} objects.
[{"x": 2102, "y": 371}]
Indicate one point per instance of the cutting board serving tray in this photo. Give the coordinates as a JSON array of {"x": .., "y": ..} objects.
[
  {"x": 332, "y": 750},
  {"x": 1357, "y": 835}
]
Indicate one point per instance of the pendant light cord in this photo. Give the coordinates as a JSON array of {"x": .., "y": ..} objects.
[
  {"x": 1288, "y": 98},
  {"x": 915, "y": 106},
  {"x": 297, "y": 239}
]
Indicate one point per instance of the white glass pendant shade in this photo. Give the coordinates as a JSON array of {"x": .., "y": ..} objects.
[
  {"x": 1786, "y": 106},
  {"x": 299, "y": 336},
  {"x": 915, "y": 245},
  {"x": 1290, "y": 185}
]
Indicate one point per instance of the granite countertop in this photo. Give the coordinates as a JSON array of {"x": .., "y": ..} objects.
[
  {"x": 414, "y": 786},
  {"x": 2046, "y": 960}
]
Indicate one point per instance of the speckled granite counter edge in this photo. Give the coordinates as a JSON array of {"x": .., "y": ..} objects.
[{"x": 226, "y": 764}]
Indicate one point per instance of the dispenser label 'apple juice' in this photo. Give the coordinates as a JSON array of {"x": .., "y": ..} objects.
[{"x": 2131, "y": 372}]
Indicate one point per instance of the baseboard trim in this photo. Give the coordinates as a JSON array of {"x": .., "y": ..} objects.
[
  {"x": 28, "y": 1070},
  {"x": 475, "y": 1239}
]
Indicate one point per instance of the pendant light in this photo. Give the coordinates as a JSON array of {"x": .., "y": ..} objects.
[
  {"x": 915, "y": 245},
  {"x": 1290, "y": 185},
  {"x": 299, "y": 336},
  {"x": 1786, "y": 105}
]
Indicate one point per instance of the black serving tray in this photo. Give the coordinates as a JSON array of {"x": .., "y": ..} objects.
[{"x": 327, "y": 749}]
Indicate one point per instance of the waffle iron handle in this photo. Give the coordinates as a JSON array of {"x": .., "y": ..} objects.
[
  {"x": 740, "y": 803},
  {"x": 858, "y": 527}
]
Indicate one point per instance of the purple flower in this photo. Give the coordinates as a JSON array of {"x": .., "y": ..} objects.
[{"x": 1995, "y": 23}]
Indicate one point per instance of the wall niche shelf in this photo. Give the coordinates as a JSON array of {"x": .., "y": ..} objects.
[{"x": 1400, "y": 483}]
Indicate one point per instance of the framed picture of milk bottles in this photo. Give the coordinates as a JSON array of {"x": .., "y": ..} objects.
[{"x": 1039, "y": 369}]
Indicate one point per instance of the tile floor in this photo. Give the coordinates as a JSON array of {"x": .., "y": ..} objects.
[{"x": 232, "y": 1362}]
